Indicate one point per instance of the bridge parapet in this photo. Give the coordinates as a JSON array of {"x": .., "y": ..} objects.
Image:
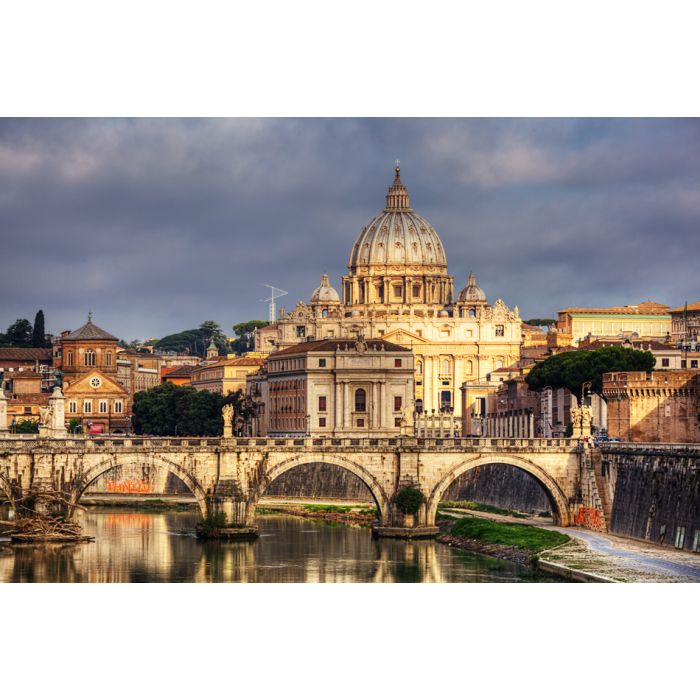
[
  {"x": 408, "y": 444},
  {"x": 652, "y": 448}
]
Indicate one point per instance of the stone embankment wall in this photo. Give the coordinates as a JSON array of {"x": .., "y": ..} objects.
[
  {"x": 500, "y": 485},
  {"x": 655, "y": 493}
]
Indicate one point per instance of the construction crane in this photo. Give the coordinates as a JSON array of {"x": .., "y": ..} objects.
[{"x": 275, "y": 293}]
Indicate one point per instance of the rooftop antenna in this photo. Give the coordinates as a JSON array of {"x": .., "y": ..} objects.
[{"x": 275, "y": 293}]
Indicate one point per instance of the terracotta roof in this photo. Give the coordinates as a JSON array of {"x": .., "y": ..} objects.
[
  {"x": 180, "y": 371},
  {"x": 246, "y": 361},
  {"x": 89, "y": 332},
  {"x": 27, "y": 374},
  {"x": 333, "y": 344},
  {"x": 695, "y": 306},
  {"x": 644, "y": 308},
  {"x": 19, "y": 354}
]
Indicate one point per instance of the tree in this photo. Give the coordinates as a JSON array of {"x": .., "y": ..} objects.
[
  {"x": 245, "y": 331},
  {"x": 177, "y": 410},
  {"x": 27, "y": 426},
  {"x": 570, "y": 370},
  {"x": 194, "y": 340},
  {"x": 540, "y": 322},
  {"x": 19, "y": 334},
  {"x": 39, "y": 334}
]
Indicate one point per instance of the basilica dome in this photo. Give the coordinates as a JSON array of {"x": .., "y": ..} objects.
[
  {"x": 325, "y": 294},
  {"x": 472, "y": 292},
  {"x": 398, "y": 236}
]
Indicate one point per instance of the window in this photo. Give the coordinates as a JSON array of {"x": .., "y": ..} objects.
[
  {"x": 472, "y": 313},
  {"x": 118, "y": 406},
  {"x": 360, "y": 401},
  {"x": 322, "y": 422},
  {"x": 321, "y": 363},
  {"x": 419, "y": 368},
  {"x": 301, "y": 331},
  {"x": 445, "y": 400},
  {"x": 87, "y": 406},
  {"x": 416, "y": 291},
  {"x": 664, "y": 362},
  {"x": 324, "y": 313},
  {"x": 27, "y": 410},
  {"x": 397, "y": 362},
  {"x": 445, "y": 366},
  {"x": 693, "y": 364},
  {"x": 322, "y": 403},
  {"x": 419, "y": 405},
  {"x": 89, "y": 358},
  {"x": 360, "y": 422},
  {"x": 500, "y": 331},
  {"x": 397, "y": 422},
  {"x": 109, "y": 359},
  {"x": 103, "y": 407},
  {"x": 69, "y": 358},
  {"x": 398, "y": 291},
  {"x": 683, "y": 364},
  {"x": 397, "y": 403},
  {"x": 72, "y": 407}
]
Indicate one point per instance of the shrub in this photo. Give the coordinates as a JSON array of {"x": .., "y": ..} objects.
[{"x": 409, "y": 500}]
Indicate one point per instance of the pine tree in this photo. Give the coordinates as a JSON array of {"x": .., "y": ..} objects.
[{"x": 39, "y": 334}]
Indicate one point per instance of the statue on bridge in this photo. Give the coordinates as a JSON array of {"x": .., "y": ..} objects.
[
  {"x": 581, "y": 421},
  {"x": 227, "y": 414}
]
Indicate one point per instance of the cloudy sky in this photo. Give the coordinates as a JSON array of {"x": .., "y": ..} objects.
[{"x": 159, "y": 224}]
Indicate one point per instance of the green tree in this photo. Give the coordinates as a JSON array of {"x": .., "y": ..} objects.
[
  {"x": 27, "y": 426},
  {"x": 38, "y": 333},
  {"x": 541, "y": 322},
  {"x": 19, "y": 334},
  {"x": 245, "y": 340},
  {"x": 195, "y": 340},
  {"x": 177, "y": 410},
  {"x": 570, "y": 370}
]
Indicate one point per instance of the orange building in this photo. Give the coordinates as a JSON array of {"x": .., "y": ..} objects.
[{"x": 180, "y": 376}]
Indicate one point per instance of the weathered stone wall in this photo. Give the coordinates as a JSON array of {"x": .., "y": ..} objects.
[
  {"x": 319, "y": 480},
  {"x": 656, "y": 494},
  {"x": 500, "y": 485}
]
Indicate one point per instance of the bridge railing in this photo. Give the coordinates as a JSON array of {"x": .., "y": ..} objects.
[{"x": 88, "y": 443}]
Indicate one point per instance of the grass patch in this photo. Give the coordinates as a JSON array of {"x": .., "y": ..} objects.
[
  {"x": 326, "y": 508},
  {"x": 482, "y": 508},
  {"x": 527, "y": 537}
]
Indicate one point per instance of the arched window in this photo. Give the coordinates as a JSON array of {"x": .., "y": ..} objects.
[
  {"x": 445, "y": 367},
  {"x": 360, "y": 401},
  {"x": 324, "y": 313},
  {"x": 470, "y": 367},
  {"x": 69, "y": 358},
  {"x": 89, "y": 358},
  {"x": 118, "y": 406},
  {"x": 472, "y": 313},
  {"x": 109, "y": 359}
]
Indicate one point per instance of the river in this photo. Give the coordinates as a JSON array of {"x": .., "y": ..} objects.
[{"x": 133, "y": 545}]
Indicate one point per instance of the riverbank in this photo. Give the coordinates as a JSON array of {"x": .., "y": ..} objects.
[{"x": 518, "y": 543}]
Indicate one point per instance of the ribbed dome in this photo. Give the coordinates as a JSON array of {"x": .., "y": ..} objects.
[
  {"x": 325, "y": 294},
  {"x": 398, "y": 236},
  {"x": 471, "y": 292}
]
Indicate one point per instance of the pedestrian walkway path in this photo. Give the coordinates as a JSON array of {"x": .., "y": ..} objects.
[{"x": 611, "y": 556}]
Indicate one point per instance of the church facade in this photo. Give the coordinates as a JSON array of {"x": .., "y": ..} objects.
[{"x": 398, "y": 288}]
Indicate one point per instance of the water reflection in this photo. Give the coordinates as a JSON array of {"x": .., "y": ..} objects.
[{"x": 161, "y": 547}]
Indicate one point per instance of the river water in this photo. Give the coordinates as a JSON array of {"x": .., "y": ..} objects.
[{"x": 134, "y": 545}]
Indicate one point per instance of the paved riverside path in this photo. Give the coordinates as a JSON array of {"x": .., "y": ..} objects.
[{"x": 609, "y": 555}]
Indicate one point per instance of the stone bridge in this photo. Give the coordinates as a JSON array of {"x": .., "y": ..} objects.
[{"x": 229, "y": 475}]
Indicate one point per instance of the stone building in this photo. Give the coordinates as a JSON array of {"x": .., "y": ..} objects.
[
  {"x": 647, "y": 319},
  {"x": 398, "y": 288},
  {"x": 94, "y": 397},
  {"x": 340, "y": 388},
  {"x": 653, "y": 406},
  {"x": 138, "y": 371},
  {"x": 225, "y": 376},
  {"x": 180, "y": 376},
  {"x": 685, "y": 322}
]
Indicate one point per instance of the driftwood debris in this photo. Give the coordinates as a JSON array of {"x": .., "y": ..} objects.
[{"x": 40, "y": 516}]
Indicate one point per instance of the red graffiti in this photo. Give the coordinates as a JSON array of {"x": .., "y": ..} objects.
[
  {"x": 129, "y": 486},
  {"x": 590, "y": 518}
]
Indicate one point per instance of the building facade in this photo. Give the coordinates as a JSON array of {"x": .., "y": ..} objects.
[
  {"x": 225, "y": 376},
  {"x": 339, "y": 388},
  {"x": 398, "y": 289},
  {"x": 685, "y": 323}
]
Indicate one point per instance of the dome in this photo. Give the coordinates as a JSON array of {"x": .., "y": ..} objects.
[
  {"x": 398, "y": 236},
  {"x": 325, "y": 294},
  {"x": 471, "y": 293}
]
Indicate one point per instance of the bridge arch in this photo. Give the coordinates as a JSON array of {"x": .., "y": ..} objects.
[
  {"x": 375, "y": 488},
  {"x": 137, "y": 460},
  {"x": 554, "y": 493}
]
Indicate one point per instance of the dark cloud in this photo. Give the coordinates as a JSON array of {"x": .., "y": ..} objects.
[{"x": 159, "y": 224}]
